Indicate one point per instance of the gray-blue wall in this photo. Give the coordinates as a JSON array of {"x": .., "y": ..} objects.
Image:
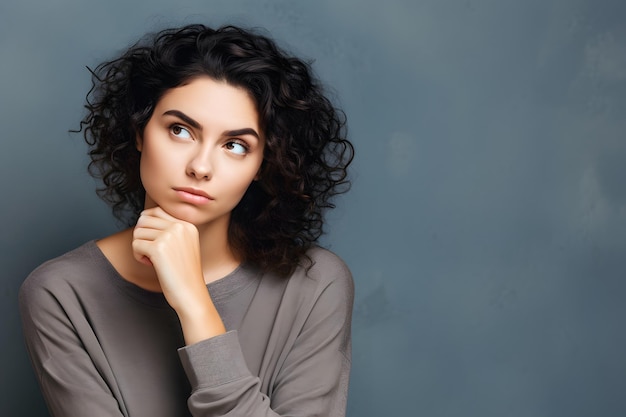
[{"x": 486, "y": 228}]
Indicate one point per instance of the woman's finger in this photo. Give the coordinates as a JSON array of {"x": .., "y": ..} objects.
[
  {"x": 159, "y": 213},
  {"x": 146, "y": 233},
  {"x": 149, "y": 221},
  {"x": 141, "y": 251}
]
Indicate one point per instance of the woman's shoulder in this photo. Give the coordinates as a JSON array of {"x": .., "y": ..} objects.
[
  {"x": 320, "y": 293},
  {"x": 64, "y": 271},
  {"x": 322, "y": 270},
  {"x": 326, "y": 266}
]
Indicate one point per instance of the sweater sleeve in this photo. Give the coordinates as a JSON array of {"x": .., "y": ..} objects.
[
  {"x": 311, "y": 381},
  {"x": 69, "y": 381}
]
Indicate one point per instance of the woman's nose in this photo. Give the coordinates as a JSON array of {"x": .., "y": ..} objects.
[{"x": 200, "y": 165}]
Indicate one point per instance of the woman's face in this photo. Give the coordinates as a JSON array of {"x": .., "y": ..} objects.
[{"x": 200, "y": 151}]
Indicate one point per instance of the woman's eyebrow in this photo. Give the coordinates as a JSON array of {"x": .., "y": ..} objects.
[
  {"x": 242, "y": 132},
  {"x": 182, "y": 116},
  {"x": 191, "y": 122}
]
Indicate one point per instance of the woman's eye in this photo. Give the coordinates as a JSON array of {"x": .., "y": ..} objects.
[
  {"x": 180, "y": 132},
  {"x": 237, "y": 148}
]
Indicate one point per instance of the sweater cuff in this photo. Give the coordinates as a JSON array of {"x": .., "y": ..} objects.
[{"x": 214, "y": 361}]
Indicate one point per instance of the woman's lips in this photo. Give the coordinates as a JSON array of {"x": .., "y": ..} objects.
[{"x": 192, "y": 195}]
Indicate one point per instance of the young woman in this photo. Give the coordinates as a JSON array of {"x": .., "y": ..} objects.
[{"x": 222, "y": 154}]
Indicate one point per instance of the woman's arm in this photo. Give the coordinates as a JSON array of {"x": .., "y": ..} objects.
[
  {"x": 69, "y": 380},
  {"x": 172, "y": 247},
  {"x": 312, "y": 379}
]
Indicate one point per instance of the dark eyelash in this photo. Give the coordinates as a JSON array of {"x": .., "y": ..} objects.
[
  {"x": 176, "y": 125},
  {"x": 240, "y": 142}
]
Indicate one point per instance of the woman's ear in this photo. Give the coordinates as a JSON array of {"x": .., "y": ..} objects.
[
  {"x": 138, "y": 142},
  {"x": 259, "y": 172}
]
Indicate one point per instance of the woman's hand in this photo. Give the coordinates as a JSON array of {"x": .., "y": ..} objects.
[{"x": 172, "y": 247}]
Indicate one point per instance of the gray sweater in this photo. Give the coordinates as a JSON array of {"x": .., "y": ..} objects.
[{"x": 101, "y": 346}]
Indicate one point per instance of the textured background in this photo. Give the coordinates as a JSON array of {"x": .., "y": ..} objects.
[{"x": 486, "y": 226}]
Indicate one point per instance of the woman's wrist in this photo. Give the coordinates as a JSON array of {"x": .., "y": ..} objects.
[{"x": 200, "y": 320}]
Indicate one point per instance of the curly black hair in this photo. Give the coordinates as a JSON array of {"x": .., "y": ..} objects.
[{"x": 306, "y": 152}]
